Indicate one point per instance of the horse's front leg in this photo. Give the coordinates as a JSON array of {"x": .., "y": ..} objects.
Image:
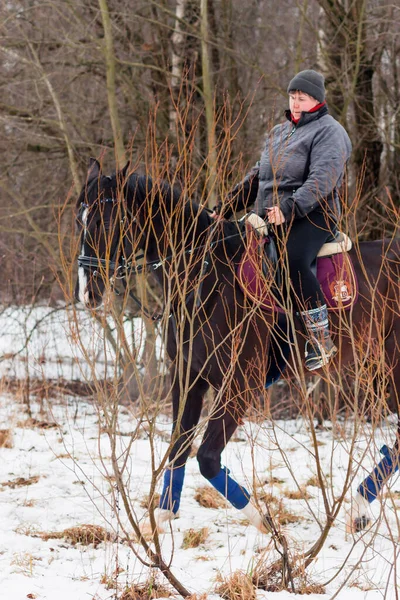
[
  {"x": 221, "y": 426},
  {"x": 186, "y": 414}
]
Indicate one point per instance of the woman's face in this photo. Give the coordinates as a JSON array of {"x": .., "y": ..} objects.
[{"x": 300, "y": 102}]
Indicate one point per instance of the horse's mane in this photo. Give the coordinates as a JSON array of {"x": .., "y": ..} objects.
[{"x": 232, "y": 232}]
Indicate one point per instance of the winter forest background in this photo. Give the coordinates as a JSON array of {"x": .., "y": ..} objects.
[
  {"x": 82, "y": 79},
  {"x": 185, "y": 90}
]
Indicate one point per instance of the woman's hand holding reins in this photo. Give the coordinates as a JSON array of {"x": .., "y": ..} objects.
[
  {"x": 216, "y": 216},
  {"x": 275, "y": 215}
]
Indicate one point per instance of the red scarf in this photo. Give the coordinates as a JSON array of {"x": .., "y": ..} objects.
[{"x": 317, "y": 107}]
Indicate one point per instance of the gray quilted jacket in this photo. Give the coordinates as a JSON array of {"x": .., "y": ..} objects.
[{"x": 300, "y": 170}]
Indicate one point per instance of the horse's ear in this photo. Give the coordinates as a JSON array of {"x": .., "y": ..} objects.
[
  {"x": 94, "y": 168},
  {"x": 125, "y": 170}
]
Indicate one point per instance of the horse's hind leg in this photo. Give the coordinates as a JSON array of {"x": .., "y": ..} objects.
[
  {"x": 186, "y": 415},
  {"x": 369, "y": 489},
  {"x": 221, "y": 426}
]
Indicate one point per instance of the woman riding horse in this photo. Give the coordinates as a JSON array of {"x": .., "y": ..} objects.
[{"x": 295, "y": 187}]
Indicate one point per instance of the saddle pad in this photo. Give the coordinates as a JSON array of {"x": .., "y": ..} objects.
[
  {"x": 338, "y": 281},
  {"x": 255, "y": 284},
  {"x": 335, "y": 274}
]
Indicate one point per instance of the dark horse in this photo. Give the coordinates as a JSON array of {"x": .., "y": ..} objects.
[{"x": 216, "y": 337}]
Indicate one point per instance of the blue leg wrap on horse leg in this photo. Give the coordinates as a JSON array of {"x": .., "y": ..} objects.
[
  {"x": 235, "y": 494},
  {"x": 372, "y": 485},
  {"x": 172, "y": 489}
]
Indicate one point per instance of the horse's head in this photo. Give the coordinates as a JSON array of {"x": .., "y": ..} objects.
[{"x": 100, "y": 212}]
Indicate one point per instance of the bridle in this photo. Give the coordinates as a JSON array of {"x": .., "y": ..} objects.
[{"x": 123, "y": 269}]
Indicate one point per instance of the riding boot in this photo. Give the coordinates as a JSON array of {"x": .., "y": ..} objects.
[{"x": 319, "y": 347}]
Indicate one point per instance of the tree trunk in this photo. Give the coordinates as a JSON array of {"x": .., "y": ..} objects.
[
  {"x": 111, "y": 85},
  {"x": 208, "y": 95},
  {"x": 348, "y": 56}
]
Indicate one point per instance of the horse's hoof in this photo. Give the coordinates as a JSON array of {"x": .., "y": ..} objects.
[
  {"x": 361, "y": 523},
  {"x": 358, "y": 524},
  {"x": 162, "y": 517},
  {"x": 357, "y": 518}
]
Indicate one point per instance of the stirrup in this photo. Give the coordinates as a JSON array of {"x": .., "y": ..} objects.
[{"x": 316, "y": 355}]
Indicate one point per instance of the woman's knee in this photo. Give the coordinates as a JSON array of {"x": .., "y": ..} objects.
[{"x": 297, "y": 264}]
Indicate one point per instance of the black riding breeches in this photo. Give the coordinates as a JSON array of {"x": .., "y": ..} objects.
[{"x": 305, "y": 237}]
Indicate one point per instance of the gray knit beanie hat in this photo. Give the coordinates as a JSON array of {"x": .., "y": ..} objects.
[{"x": 310, "y": 82}]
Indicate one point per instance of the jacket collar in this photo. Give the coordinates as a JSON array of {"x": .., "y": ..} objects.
[{"x": 308, "y": 117}]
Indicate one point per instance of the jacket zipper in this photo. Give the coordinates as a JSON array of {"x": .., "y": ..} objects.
[{"x": 289, "y": 135}]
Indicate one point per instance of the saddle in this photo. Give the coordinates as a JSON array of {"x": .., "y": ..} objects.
[{"x": 259, "y": 275}]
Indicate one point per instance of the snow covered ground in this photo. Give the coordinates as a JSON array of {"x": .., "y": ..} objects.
[
  {"x": 50, "y": 343},
  {"x": 56, "y": 478}
]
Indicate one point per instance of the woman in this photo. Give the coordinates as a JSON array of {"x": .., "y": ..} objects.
[{"x": 295, "y": 188}]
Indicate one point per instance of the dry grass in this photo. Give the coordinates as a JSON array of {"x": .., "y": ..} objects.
[
  {"x": 306, "y": 586},
  {"x": 392, "y": 495},
  {"x": 48, "y": 387},
  {"x": 237, "y": 586},
  {"x": 28, "y": 502},
  {"x": 269, "y": 578},
  {"x": 299, "y": 494},
  {"x": 24, "y": 563},
  {"x": 209, "y": 497},
  {"x": 109, "y": 582},
  {"x": 27, "y": 529},
  {"x": 313, "y": 481},
  {"x": 192, "y": 538},
  {"x": 268, "y": 498},
  {"x": 286, "y": 517},
  {"x": 278, "y": 510},
  {"x": 273, "y": 481},
  {"x": 362, "y": 585},
  {"x": 145, "y": 591},
  {"x": 146, "y": 502},
  {"x": 147, "y": 430},
  {"x": 20, "y": 482},
  {"x": 6, "y": 438},
  {"x": 82, "y": 534},
  {"x": 30, "y": 423}
]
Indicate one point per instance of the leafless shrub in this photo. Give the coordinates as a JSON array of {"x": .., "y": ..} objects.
[{"x": 270, "y": 579}]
